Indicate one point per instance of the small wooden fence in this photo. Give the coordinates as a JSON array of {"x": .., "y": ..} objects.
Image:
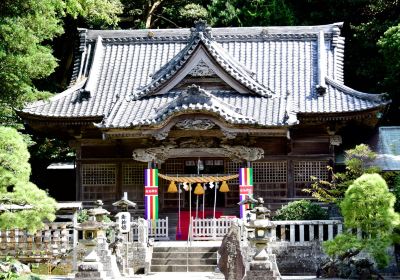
[
  {"x": 158, "y": 229},
  {"x": 55, "y": 240},
  {"x": 210, "y": 229}
]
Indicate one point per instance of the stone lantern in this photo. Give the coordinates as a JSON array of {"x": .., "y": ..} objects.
[
  {"x": 94, "y": 230},
  {"x": 263, "y": 263},
  {"x": 98, "y": 262}
]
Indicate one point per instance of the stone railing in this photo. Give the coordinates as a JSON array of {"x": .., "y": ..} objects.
[
  {"x": 285, "y": 231},
  {"x": 305, "y": 231},
  {"x": 55, "y": 240}
]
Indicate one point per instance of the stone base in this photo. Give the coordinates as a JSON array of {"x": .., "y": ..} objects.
[
  {"x": 263, "y": 267},
  {"x": 91, "y": 268}
]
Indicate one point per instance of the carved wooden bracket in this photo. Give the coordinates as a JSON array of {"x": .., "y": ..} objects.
[{"x": 161, "y": 153}]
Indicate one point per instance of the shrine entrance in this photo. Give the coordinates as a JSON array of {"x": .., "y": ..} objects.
[{"x": 207, "y": 167}]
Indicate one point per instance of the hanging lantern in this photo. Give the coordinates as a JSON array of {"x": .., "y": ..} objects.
[
  {"x": 199, "y": 189},
  {"x": 172, "y": 188},
  {"x": 224, "y": 187}
]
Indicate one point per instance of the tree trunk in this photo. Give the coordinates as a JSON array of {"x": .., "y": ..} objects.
[{"x": 153, "y": 7}]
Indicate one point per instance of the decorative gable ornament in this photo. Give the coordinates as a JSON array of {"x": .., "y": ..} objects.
[
  {"x": 202, "y": 70},
  {"x": 203, "y": 56}
]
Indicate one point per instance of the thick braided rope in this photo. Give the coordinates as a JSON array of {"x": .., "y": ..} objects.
[{"x": 198, "y": 179}]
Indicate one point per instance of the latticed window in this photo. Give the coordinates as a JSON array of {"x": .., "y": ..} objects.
[
  {"x": 232, "y": 167},
  {"x": 98, "y": 174},
  {"x": 172, "y": 167},
  {"x": 303, "y": 173},
  {"x": 133, "y": 173},
  {"x": 98, "y": 181},
  {"x": 270, "y": 172},
  {"x": 133, "y": 181},
  {"x": 232, "y": 196},
  {"x": 304, "y": 170},
  {"x": 270, "y": 179}
]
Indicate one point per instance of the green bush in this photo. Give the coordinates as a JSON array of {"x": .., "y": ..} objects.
[
  {"x": 369, "y": 206},
  {"x": 301, "y": 210},
  {"x": 392, "y": 179}
]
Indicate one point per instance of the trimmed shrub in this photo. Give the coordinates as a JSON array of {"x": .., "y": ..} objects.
[{"x": 301, "y": 210}]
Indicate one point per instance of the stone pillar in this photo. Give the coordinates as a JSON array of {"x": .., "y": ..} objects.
[{"x": 143, "y": 231}]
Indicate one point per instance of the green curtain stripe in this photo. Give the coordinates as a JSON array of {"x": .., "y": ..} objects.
[{"x": 156, "y": 208}]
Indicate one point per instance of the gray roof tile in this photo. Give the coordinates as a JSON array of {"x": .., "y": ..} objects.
[{"x": 284, "y": 60}]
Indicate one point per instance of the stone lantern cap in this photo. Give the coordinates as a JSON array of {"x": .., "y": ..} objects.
[
  {"x": 99, "y": 210},
  {"x": 124, "y": 202},
  {"x": 91, "y": 225}
]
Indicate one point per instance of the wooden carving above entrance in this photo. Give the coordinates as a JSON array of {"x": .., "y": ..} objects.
[
  {"x": 195, "y": 124},
  {"x": 161, "y": 153}
]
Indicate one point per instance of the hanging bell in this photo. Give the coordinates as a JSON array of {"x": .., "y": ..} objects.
[
  {"x": 199, "y": 189},
  {"x": 172, "y": 188},
  {"x": 224, "y": 187}
]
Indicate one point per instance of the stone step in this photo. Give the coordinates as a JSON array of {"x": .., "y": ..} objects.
[
  {"x": 184, "y": 255},
  {"x": 210, "y": 261},
  {"x": 183, "y": 268},
  {"x": 184, "y": 249}
]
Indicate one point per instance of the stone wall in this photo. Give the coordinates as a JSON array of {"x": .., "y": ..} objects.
[
  {"x": 303, "y": 259},
  {"x": 138, "y": 257},
  {"x": 298, "y": 258}
]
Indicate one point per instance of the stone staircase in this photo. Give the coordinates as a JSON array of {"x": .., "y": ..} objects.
[
  {"x": 184, "y": 259},
  {"x": 173, "y": 219}
]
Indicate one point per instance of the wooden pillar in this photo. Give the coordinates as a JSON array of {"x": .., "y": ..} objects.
[
  {"x": 118, "y": 186},
  {"x": 78, "y": 172},
  {"x": 290, "y": 179}
]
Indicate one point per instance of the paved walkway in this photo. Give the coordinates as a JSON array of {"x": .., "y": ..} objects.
[
  {"x": 180, "y": 276},
  {"x": 198, "y": 276}
]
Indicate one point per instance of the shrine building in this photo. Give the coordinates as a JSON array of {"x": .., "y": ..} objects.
[{"x": 204, "y": 102}]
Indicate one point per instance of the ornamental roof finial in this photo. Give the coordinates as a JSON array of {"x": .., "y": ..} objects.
[{"x": 201, "y": 26}]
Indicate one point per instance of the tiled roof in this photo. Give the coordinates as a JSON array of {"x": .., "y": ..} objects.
[
  {"x": 235, "y": 108},
  {"x": 121, "y": 71}
]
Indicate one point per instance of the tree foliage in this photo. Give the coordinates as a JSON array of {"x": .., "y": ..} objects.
[
  {"x": 389, "y": 45},
  {"x": 358, "y": 161},
  {"x": 369, "y": 206},
  {"x": 162, "y": 13},
  {"x": 15, "y": 188},
  {"x": 26, "y": 28},
  {"x": 301, "y": 210},
  {"x": 250, "y": 13}
]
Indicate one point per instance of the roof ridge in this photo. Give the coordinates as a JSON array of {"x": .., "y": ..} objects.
[
  {"x": 363, "y": 95},
  {"x": 94, "y": 69},
  {"x": 217, "y": 31}
]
